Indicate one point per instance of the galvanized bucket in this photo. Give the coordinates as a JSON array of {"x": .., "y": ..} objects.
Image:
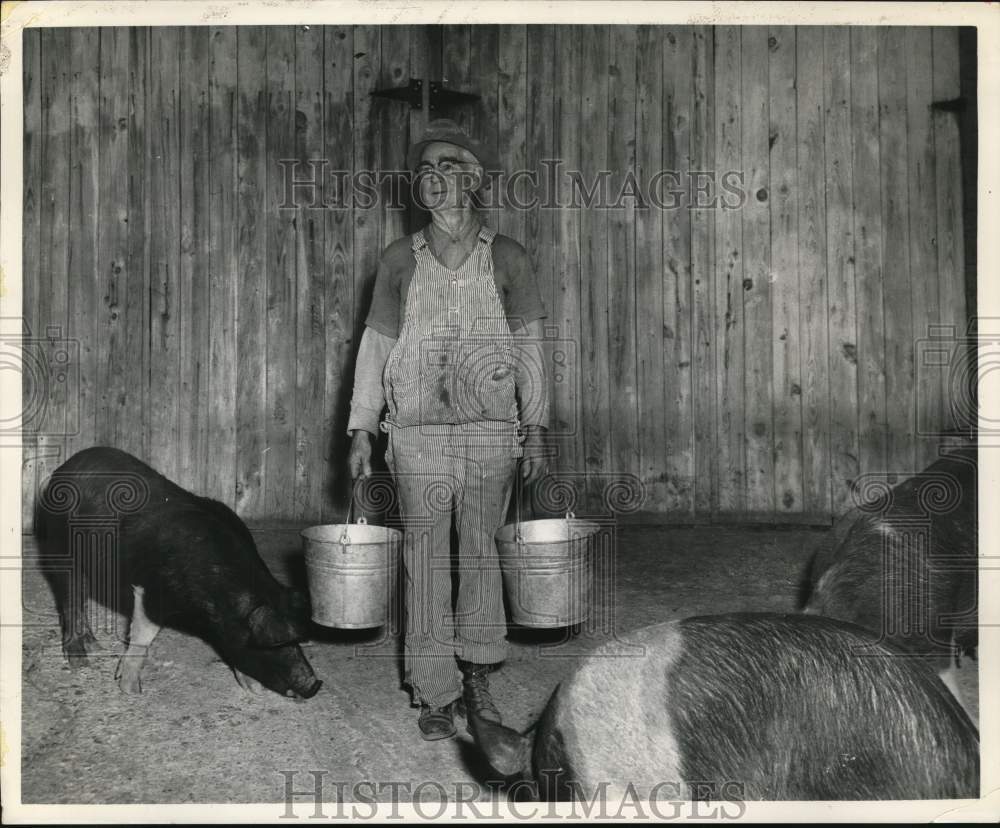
[
  {"x": 351, "y": 568},
  {"x": 548, "y": 570}
]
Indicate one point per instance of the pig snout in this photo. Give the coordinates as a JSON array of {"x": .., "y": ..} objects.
[
  {"x": 313, "y": 690},
  {"x": 283, "y": 670},
  {"x": 303, "y": 680},
  {"x": 305, "y": 694}
]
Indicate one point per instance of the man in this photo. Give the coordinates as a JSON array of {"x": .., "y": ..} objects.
[{"x": 451, "y": 347}]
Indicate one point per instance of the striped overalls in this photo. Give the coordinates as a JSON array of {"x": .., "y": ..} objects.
[{"x": 453, "y": 449}]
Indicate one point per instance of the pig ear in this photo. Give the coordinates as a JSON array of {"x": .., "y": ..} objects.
[
  {"x": 268, "y": 628},
  {"x": 505, "y": 749}
]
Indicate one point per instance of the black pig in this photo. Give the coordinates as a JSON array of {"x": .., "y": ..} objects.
[
  {"x": 188, "y": 559},
  {"x": 745, "y": 707},
  {"x": 905, "y": 566}
]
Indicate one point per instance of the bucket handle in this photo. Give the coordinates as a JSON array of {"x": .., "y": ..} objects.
[
  {"x": 518, "y": 537},
  {"x": 518, "y": 489},
  {"x": 345, "y": 538}
]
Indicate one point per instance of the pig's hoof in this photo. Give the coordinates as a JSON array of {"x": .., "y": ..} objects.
[
  {"x": 77, "y": 648},
  {"x": 91, "y": 644},
  {"x": 248, "y": 683},
  {"x": 76, "y": 651},
  {"x": 128, "y": 674}
]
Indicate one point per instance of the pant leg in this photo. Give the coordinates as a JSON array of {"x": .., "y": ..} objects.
[
  {"x": 426, "y": 487},
  {"x": 488, "y": 477}
]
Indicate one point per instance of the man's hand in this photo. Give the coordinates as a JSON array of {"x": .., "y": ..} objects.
[
  {"x": 535, "y": 462},
  {"x": 359, "y": 459}
]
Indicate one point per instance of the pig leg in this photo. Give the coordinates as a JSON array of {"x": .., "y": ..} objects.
[
  {"x": 141, "y": 633},
  {"x": 71, "y": 597}
]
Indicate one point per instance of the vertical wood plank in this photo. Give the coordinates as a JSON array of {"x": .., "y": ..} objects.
[
  {"x": 814, "y": 314},
  {"x": 867, "y": 222},
  {"x": 393, "y": 133},
  {"x": 922, "y": 221},
  {"x": 251, "y": 330},
  {"x": 534, "y": 227},
  {"x": 702, "y": 266},
  {"x": 85, "y": 285},
  {"x": 730, "y": 454},
  {"x": 514, "y": 66},
  {"x": 425, "y": 65},
  {"x": 369, "y": 238},
  {"x": 899, "y": 330},
  {"x": 112, "y": 243},
  {"x": 622, "y": 394},
  {"x": 310, "y": 292},
  {"x": 282, "y": 235},
  {"x": 786, "y": 341},
  {"x": 594, "y": 263},
  {"x": 483, "y": 80},
  {"x": 62, "y": 408},
  {"x": 367, "y": 214},
  {"x": 948, "y": 175},
  {"x": 568, "y": 412},
  {"x": 224, "y": 273},
  {"x": 194, "y": 275},
  {"x": 757, "y": 274},
  {"x": 840, "y": 266},
  {"x": 456, "y": 72},
  {"x": 678, "y": 331},
  {"x": 164, "y": 251},
  {"x": 338, "y": 241},
  {"x": 33, "y": 389},
  {"x": 133, "y": 433},
  {"x": 652, "y": 127}
]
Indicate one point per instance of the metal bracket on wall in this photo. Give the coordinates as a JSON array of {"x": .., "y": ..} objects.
[
  {"x": 441, "y": 97},
  {"x": 413, "y": 94},
  {"x": 950, "y": 105}
]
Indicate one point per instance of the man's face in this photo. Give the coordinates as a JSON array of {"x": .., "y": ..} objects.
[{"x": 447, "y": 175}]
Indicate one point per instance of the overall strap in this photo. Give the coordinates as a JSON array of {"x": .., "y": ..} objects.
[
  {"x": 419, "y": 241},
  {"x": 487, "y": 234}
]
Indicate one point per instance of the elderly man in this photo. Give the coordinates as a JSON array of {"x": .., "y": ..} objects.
[{"x": 451, "y": 347}]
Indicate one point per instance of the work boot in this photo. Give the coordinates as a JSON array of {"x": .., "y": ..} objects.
[
  {"x": 476, "y": 693},
  {"x": 437, "y": 722}
]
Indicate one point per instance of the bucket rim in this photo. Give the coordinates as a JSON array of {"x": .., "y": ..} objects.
[
  {"x": 392, "y": 533},
  {"x": 508, "y": 533}
]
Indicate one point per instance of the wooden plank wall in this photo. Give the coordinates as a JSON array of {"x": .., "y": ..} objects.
[{"x": 748, "y": 352}]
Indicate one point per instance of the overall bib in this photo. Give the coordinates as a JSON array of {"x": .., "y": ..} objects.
[{"x": 453, "y": 448}]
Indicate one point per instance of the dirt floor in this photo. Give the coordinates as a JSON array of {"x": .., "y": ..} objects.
[{"x": 194, "y": 735}]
